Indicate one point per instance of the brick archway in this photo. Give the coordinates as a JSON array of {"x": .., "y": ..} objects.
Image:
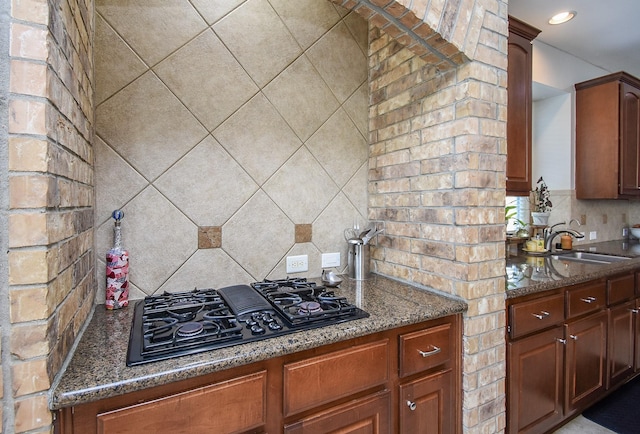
[{"x": 440, "y": 37}]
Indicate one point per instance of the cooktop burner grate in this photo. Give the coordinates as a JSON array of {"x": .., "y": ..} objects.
[{"x": 176, "y": 324}]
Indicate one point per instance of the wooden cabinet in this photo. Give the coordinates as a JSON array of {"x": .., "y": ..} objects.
[
  {"x": 535, "y": 382},
  {"x": 586, "y": 360},
  {"x": 519, "y": 106},
  {"x": 568, "y": 348},
  {"x": 427, "y": 404},
  {"x": 354, "y": 386},
  {"x": 557, "y": 353},
  {"x": 621, "y": 342},
  {"x": 608, "y": 137},
  {"x": 427, "y": 393}
]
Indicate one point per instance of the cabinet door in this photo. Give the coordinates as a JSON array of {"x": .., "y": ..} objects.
[
  {"x": 621, "y": 343},
  {"x": 427, "y": 405},
  {"x": 629, "y": 140},
  {"x": 586, "y": 354},
  {"x": 367, "y": 415},
  {"x": 535, "y": 382},
  {"x": 519, "y": 81},
  {"x": 636, "y": 328}
]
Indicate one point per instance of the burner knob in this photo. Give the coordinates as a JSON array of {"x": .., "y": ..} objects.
[
  {"x": 267, "y": 318},
  {"x": 274, "y": 326},
  {"x": 257, "y": 330},
  {"x": 251, "y": 323}
]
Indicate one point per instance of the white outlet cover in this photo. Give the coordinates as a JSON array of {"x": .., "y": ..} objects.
[{"x": 297, "y": 264}]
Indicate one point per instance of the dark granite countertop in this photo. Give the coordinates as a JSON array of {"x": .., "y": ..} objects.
[
  {"x": 527, "y": 274},
  {"x": 98, "y": 368}
]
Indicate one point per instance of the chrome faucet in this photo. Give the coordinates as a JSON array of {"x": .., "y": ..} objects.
[{"x": 550, "y": 234}]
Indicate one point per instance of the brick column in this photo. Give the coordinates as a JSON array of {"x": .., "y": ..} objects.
[
  {"x": 436, "y": 184},
  {"x": 50, "y": 260}
]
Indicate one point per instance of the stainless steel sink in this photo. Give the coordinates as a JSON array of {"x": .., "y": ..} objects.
[{"x": 589, "y": 257}]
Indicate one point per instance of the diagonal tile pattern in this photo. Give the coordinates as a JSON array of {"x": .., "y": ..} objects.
[
  {"x": 199, "y": 181},
  {"x": 259, "y": 40},
  {"x": 148, "y": 126},
  {"x": 249, "y": 115},
  {"x": 222, "y": 88}
]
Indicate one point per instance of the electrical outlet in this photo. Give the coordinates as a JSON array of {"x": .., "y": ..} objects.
[
  {"x": 297, "y": 264},
  {"x": 625, "y": 232},
  {"x": 330, "y": 260},
  {"x": 593, "y": 235}
]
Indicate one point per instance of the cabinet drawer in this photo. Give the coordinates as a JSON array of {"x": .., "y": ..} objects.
[
  {"x": 425, "y": 349},
  {"x": 365, "y": 415},
  {"x": 621, "y": 288},
  {"x": 313, "y": 381},
  {"x": 585, "y": 299},
  {"x": 534, "y": 315},
  {"x": 231, "y": 406}
]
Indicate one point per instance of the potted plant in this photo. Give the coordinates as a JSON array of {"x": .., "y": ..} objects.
[{"x": 541, "y": 203}]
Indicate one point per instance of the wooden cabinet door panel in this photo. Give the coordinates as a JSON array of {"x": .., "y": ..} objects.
[
  {"x": 369, "y": 415},
  {"x": 519, "y": 109},
  {"x": 621, "y": 343},
  {"x": 427, "y": 405},
  {"x": 535, "y": 382},
  {"x": 586, "y": 360},
  {"x": 608, "y": 137},
  {"x": 629, "y": 140},
  {"x": 230, "y": 407},
  {"x": 320, "y": 380},
  {"x": 620, "y": 288},
  {"x": 636, "y": 336},
  {"x": 425, "y": 349}
]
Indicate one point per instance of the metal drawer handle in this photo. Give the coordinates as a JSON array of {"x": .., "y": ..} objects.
[
  {"x": 588, "y": 299},
  {"x": 634, "y": 310},
  {"x": 412, "y": 405},
  {"x": 574, "y": 337},
  {"x": 562, "y": 341},
  {"x": 435, "y": 350},
  {"x": 541, "y": 315}
]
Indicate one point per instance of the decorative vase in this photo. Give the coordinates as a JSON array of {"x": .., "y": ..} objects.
[{"x": 540, "y": 218}]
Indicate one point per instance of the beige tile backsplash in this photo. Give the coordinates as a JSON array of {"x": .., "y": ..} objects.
[{"x": 245, "y": 115}]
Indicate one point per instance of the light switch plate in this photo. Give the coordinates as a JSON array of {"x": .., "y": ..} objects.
[{"x": 330, "y": 260}]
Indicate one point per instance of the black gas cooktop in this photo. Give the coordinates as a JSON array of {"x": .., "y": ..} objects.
[{"x": 180, "y": 323}]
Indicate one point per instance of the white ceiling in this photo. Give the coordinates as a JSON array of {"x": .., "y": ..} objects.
[{"x": 603, "y": 33}]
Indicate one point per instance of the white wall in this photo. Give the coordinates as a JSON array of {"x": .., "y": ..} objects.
[
  {"x": 552, "y": 141},
  {"x": 561, "y": 70},
  {"x": 554, "y": 75}
]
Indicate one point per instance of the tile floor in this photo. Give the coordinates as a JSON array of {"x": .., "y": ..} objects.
[{"x": 582, "y": 425}]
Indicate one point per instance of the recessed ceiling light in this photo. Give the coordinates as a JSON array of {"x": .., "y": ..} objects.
[{"x": 562, "y": 17}]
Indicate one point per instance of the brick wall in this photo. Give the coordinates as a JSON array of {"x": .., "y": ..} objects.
[
  {"x": 436, "y": 181},
  {"x": 50, "y": 200}
]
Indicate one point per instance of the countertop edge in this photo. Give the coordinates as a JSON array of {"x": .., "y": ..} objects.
[
  {"x": 586, "y": 272},
  {"x": 418, "y": 305}
]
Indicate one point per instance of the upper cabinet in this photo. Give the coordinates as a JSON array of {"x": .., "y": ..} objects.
[
  {"x": 519, "y": 81},
  {"x": 608, "y": 137}
]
